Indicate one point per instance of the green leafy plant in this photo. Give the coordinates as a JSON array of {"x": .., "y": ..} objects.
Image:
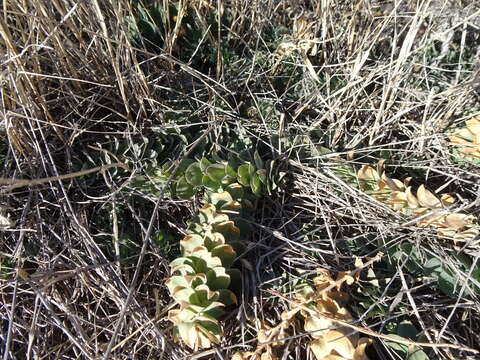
[
  {"x": 202, "y": 275},
  {"x": 186, "y": 30},
  {"x": 241, "y": 180},
  {"x": 405, "y": 330}
]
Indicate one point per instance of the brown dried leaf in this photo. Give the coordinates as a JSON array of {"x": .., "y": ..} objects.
[
  {"x": 268, "y": 356},
  {"x": 359, "y": 353},
  {"x": 327, "y": 305},
  {"x": 393, "y": 184},
  {"x": 427, "y": 199},
  {"x": 317, "y": 326},
  {"x": 411, "y": 199},
  {"x": 334, "y": 357},
  {"x": 345, "y": 276},
  {"x": 359, "y": 263},
  {"x": 473, "y": 125},
  {"x": 458, "y": 221},
  {"x": 322, "y": 280},
  {"x": 458, "y": 140},
  {"x": 447, "y": 200},
  {"x": 338, "y": 342},
  {"x": 242, "y": 355},
  {"x": 319, "y": 348},
  {"x": 367, "y": 173}
]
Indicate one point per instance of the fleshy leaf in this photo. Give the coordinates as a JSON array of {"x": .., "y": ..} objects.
[
  {"x": 216, "y": 172},
  {"x": 183, "y": 189},
  {"x": 202, "y": 296},
  {"x": 227, "y": 297},
  {"x": 217, "y": 278},
  {"x": 194, "y": 175},
  {"x": 218, "y": 199},
  {"x": 244, "y": 173},
  {"x": 258, "y": 160},
  {"x": 256, "y": 184},
  {"x": 236, "y": 191},
  {"x": 226, "y": 254},
  {"x": 228, "y": 229},
  {"x": 210, "y": 184},
  {"x": 204, "y": 163},
  {"x": 190, "y": 242},
  {"x": 262, "y": 174}
]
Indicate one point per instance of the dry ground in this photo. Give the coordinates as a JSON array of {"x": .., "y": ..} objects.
[{"x": 94, "y": 94}]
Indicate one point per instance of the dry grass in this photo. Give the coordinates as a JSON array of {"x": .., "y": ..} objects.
[{"x": 84, "y": 264}]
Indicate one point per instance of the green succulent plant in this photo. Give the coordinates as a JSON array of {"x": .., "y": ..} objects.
[
  {"x": 242, "y": 181},
  {"x": 202, "y": 275}
]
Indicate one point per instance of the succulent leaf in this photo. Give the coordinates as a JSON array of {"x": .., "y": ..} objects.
[
  {"x": 202, "y": 275},
  {"x": 236, "y": 191},
  {"x": 193, "y": 174},
  {"x": 216, "y": 172},
  {"x": 183, "y": 189},
  {"x": 244, "y": 173},
  {"x": 190, "y": 243},
  {"x": 218, "y": 279},
  {"x": 256, "y": 184},
  {"x": 226, "y": 254},
  {"x": 209, "y": 184},
  {"x": 204, "y": 164}
]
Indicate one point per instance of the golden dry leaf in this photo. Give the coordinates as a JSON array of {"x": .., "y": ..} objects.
[
  {"x": 411, "y": 199},
  {"x": 457, "y": 221},
  {"x": 427, "y": 199},
  {"x": 473, "y": 125},
  {"x": 316, "y": 326},
  {"x": 432, "y": 220},
  {"x": 346, "y": 276},
  {"x": 460, "y": 236},
  {"x": 327, "y": 305},
  {"x": 344, "y": 314},
  {"x": 367, "y": 173},
  {"x": 431, "y": 211},
  {"x": 447, "y": 200},
  {"x": 242, "y": 355},
  {"x": 339, "y": 343},
  {"x": 319, "y": 348},
  {"x": 468, "y": 138},
  {"x": 268, "y": 356},
  {"x": 359, "y": 263},
  {"x": 263, "y": 336},
  {"x": 322, "y": 281},
  {"x": 393, "y": 184},
  {"x": 334, "y": 357},
  {"x": 362, "y": 344},
  {"x": 287, "y": 316}
]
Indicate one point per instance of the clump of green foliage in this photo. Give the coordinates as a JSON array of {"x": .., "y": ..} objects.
[
  {"x": 202, "y": 274},
  {"x": 215, "y": 176}
]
